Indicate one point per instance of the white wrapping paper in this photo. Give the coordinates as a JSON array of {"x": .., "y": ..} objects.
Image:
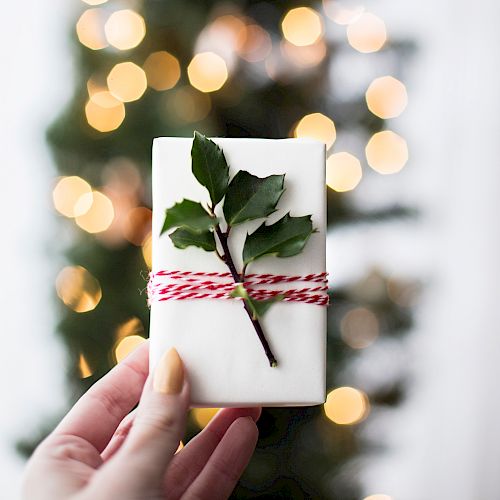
[{"x": 225, "y": 361}]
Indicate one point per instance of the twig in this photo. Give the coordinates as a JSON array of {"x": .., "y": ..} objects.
[{"x": 227, "y": 258}]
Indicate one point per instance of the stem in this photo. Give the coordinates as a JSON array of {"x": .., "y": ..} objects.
[{"x": 238, "y": 279}]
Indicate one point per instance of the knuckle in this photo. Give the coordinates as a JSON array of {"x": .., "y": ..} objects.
[{"x": 161, "y": 421}]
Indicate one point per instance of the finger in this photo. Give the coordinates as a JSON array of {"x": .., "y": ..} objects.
[
  {"x": 189, "y": 462},
  {"x": 119, "y": 436},
  {"x": 99, "y": 411},
  {"x": 160, "y": 422},
  {"x": 223, "y": 469}
]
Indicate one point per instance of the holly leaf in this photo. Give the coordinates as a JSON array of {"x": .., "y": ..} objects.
[
  {"x": 189, "y": 215},
  {"x": 209, "y": 166},
  {"x": 183, "y": 238},
  {"x": 285, "y": 238},
  {"x": 257, "y": 307},
  {"x": 250, "y": 197}
]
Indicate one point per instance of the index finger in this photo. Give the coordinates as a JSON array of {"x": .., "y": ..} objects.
[{"x": 97, "y": 414}]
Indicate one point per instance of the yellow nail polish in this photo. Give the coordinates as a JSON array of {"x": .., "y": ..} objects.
[{"x": 169, "y": 373}]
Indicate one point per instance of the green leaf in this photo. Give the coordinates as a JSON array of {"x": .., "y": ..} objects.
[
  {"x": 189, "y": 215},
  {"x": 284, "y": 238},
  {"x": 258, "y": 307},
  {"x": 183, "y": 238},
  {"x": 210, "y": 167},
  {"x": 250, "y": 197}
]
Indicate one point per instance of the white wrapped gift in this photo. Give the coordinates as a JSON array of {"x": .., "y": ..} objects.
[{"x": 224, "y": 359}]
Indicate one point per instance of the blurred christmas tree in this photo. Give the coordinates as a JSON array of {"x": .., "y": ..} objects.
[{"x": 238, "y": 69}]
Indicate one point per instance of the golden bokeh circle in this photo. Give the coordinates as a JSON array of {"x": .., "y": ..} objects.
[
  {"x": 163, "y": 70},
  {"x": 343, "y": 172},
  {"x": 386, "y": 97},
  {"x": 386, "y": 152},
  {"x": 78, "y": 289},
  {"x": 346, "y": 406},
  {"x": 127, "y": 81},
  {"x": 367, "y": 34},
  {"x": 302, "y": 26},
  {"x": 317, "y": 126},
  {"x": 207, "y": 72},
  {"x": 125, "y": 29}
]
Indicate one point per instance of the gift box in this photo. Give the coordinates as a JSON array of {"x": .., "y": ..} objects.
[{"x": 215, "y": 337}]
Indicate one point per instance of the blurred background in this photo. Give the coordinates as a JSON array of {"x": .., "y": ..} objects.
[{"x": 404, "y": 95}]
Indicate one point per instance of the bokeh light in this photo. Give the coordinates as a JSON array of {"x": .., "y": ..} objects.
[
  {"x": 96, "y": 84},
  {"x": 127, "y": 345},
  {"x": 90, "y": 29},
  {"x": 147, "y": 251},
  {"x": 127, "y": 81},
  {"x": 386, "y": 152},
  {"x": 378, "y": 496},
  {"x": 67, "y": 193},
  {"x": 188, "y": 105},
  {"x": 133, "y": 326},
  {"x": 202, "y": 416},
  {"x": 341, "y": 13},
  {"x": 179, "y": 448},
  {"x": 257, "y": 44},
  {"x": 162, "y": 70},
  {"x": 307, "y": 56},
  {"x": 343, "y": 172},
  {"x": 137, "y": 225},
  {"x": 359, "y": 328},
  {"x": 207, "y": 72},
  {"x": 367, "y": 34},
  {"x": 104, "y": 112},
  {"x": 83, "y": 367},
  {"x": 125, "y": 29},
  {"x": 94, "y": 2},
  {"x": 99, "y": 216},
  {"x": 78, "y": 289},
  {"x": 346, "y": 406},
  {"x": 386, "y": 97},
  {"x": 317, "y": 126},
  {"x": 302, "y": 26}
]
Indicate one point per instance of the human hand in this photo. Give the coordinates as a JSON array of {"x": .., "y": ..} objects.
[{"x": 101, "y": 451}]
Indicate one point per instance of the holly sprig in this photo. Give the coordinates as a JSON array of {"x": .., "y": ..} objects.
[{"x": 245, "y": 197}]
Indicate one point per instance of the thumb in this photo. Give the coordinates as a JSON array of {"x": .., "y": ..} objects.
[{"x": 160, "y": 421}]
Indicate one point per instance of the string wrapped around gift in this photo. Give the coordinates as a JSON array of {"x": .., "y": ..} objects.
[{"x": 184, "y": 285}]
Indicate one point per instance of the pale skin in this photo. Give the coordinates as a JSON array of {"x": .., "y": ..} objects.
[{"x": 101, "y": 450}]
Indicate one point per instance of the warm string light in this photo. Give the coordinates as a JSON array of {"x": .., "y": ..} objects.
[
  {"x": 343, "y": 172},
  {"x": 84, "y": 368},
  {"x": 90, "y": 29},
  {"x": 302, "y": 26},
  {"x": 127, "y": 81},
  {"x": 207, "y": 72},
  {"x": 104, "y": 111},
  {"x": 317, "y": 126},
  {"x": 126, "y": 346},
  {"x": 386, "y": 152},
  {"x": 346, "y": 406},
  {"x": 78, "y": 289},
  {"x": 359, "y": 328},
  {"x": 133, "y": 326},
  {"x": 386, "y": 97},
  {"x": 99, "y": 216},
  {"x": 202, "y": 416},
  {"x": 367, "y": 34},
  {"x": 340, "y": 13},
  {"x": 147, "y": 253},
  {"x": 378, "y": 496},
  {"x": 67, "y": 194},
  {"x": 125, "y": 29},
  {"x": 162, "y": 69}
]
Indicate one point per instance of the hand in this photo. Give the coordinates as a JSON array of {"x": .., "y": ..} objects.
[{"x": 101, "y": 451}]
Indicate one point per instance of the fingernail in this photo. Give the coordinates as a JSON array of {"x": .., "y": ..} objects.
[{"x": 169, "y": 373}]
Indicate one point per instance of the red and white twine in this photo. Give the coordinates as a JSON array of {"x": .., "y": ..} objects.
[{"x": 183, "y": 285}]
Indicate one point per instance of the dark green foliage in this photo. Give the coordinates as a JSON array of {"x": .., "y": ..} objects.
[
  {"x": 285, "y": 238},
  {"x": 183, "y": 238},
  {"x": 210, "y": 167},
  {"x": 250, "y": 197},
  {"x": 188, "y": 215}
]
